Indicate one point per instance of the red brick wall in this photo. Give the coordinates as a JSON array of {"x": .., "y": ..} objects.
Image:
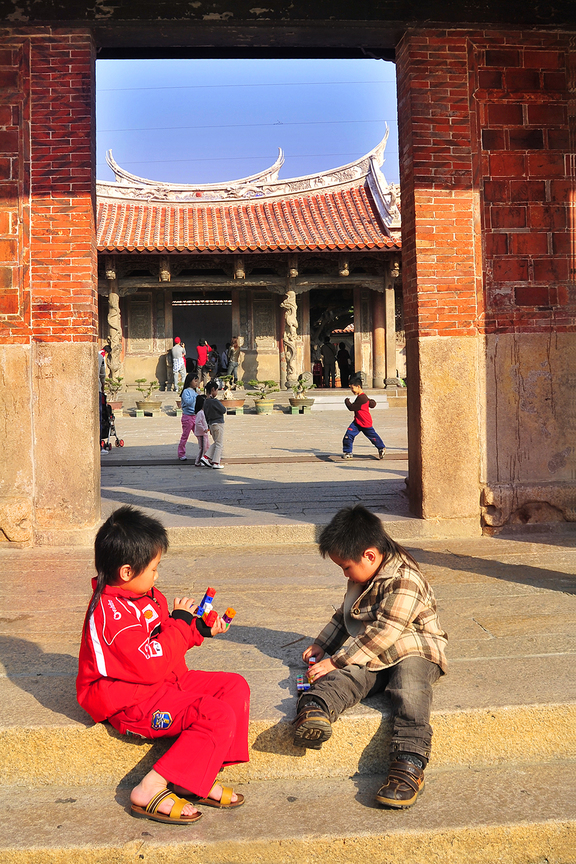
[
  {"x": 440, "y": 216},
  {"x": 522, "y": 92},
  {"x": 47, "y": 245},
  {"x": 488, "y": 188}
]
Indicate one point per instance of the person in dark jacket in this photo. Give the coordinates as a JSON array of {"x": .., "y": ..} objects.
[{"x": 214, "y": 412}]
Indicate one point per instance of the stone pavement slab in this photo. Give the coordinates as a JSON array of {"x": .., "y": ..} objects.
[
  {"x": 509, "y": 608},
  {"x": 508, "y": 814},
  {"x": 283, "y": 478}
]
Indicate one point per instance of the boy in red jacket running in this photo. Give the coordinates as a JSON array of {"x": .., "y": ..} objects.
[
  {"x": 132, "y": 673},
  {"x": 362, "y": 420}
]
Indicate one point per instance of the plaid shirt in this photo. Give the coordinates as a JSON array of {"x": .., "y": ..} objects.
[{"x": 397, "y": 610}]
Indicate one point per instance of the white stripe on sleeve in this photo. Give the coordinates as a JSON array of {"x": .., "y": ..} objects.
[{"x": 98, "y": 653}]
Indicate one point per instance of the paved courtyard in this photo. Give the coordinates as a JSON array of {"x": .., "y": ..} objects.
[{"x": 279, "y": 469}]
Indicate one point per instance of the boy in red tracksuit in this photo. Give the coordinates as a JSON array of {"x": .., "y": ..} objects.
[
  {"x": 132, "y": 673},
  {"x": 362, "y": 420}
]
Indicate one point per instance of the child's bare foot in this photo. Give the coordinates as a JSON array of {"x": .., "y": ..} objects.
[{"x": 151, "y": 785}]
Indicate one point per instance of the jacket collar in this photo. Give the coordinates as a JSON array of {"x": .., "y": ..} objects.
[
  {"x": 384, "y": 572},
  {"x": 118, "y": 591}
]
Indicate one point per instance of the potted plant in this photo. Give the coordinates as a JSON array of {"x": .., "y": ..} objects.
[
  {"x": 262, "y": 395},
  {"x": 230, "y": 387},
  {"x": 300, "y": 389},
  {"x": 112, "y": 387},
  {"x": 147, "y": 388}
]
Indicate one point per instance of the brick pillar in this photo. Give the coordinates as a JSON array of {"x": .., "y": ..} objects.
[
  {"x": 487, "y": 163},
  {"x": 49, "y": 488},
  {"x": 442, "y": 275},
  {"x": 525, "y": 102}
]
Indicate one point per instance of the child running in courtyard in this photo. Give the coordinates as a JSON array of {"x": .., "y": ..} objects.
[
  {"x": 201, "y": 430},
  {"x": 362, "y": 421},
  {"x": 394, "y": 642},
  {"x": 132, "y": 673},
  {"x": 188, "y": 403}
]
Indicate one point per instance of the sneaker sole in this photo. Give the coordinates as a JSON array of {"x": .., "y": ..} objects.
[{"x": 312, "y": 733}]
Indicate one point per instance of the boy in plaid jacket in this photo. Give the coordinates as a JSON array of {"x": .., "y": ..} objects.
[{"x": 394, "y": 642}]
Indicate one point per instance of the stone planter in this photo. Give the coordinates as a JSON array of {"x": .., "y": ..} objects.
[
  {"x": 148, "y": 405},
  {"x": 264, "y": 406},
  {"x": 233, "y": 403},
  {"x": 116, "y": 405},
  {"x": 301, "y": 402}
]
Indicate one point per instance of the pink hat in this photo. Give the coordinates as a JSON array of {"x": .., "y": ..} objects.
[{"x": 176, "y": 340}]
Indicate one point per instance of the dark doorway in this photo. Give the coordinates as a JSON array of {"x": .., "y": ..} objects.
[{"x": 201, "y": 316}]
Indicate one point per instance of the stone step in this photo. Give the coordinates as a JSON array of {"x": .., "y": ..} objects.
[
  {"x": 47, "y": 738},
  {"x": 514, "y": 814},
  {"x": 510, "y": 693}
]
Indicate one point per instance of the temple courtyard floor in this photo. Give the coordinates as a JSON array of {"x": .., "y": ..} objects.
[{"x": 501, "y": 783}]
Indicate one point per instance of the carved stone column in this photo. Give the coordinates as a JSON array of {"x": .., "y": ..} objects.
[
  {"x": 290, "y": 333},
  {"x": 114, "y": 318}
]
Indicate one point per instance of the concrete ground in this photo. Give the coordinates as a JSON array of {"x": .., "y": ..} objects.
[
  {"x": 501, "y": 784},
  {"x": 281, "y": 471}
]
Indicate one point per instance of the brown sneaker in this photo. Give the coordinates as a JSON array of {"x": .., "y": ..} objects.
[
  {"x": 405, "y": 782},
  {"x": 311, "y": 728}
]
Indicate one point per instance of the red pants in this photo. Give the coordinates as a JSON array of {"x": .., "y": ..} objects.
[{"x": 208, "y": 711}]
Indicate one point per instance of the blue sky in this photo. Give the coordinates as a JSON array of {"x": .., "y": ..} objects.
[{"x": 205, "y": 121}]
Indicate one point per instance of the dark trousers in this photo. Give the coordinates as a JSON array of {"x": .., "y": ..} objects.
[
  {"x": 353, "y": 430},
  {"x": 409, "y": 685}
]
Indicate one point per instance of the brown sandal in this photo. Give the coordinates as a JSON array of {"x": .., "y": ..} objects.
[
  {"x": 405, "y": 782},
  {"x": 175, "y": 816}
]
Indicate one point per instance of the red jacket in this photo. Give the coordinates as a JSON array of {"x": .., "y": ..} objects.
[
  {"x": 130, "y": 647},
  {"x": 361, "y": 407},
  {"x": 202, "y": 352}
]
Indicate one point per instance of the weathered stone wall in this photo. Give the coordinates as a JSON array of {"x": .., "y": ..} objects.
[
  {"x": 50, "y": 467},
  {"x": 487, "y": 161}
]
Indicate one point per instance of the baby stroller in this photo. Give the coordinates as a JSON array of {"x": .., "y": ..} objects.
[{"x": 107, "y": 427}]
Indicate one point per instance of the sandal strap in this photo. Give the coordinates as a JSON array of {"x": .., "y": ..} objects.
[
  {"x": 226, "y": 797},
  {"x": 177, "y": 807}
]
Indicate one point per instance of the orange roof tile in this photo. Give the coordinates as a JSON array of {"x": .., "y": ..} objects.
[{"x": 336, "y": 219}]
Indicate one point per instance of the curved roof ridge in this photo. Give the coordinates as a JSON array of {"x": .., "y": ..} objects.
[
  {"x": 263, "y": 185},
  {"x": 126, "y": 178}
]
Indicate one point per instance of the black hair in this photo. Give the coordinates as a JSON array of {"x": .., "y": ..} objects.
[
  {"x": 189, "y": 378},
  {"x": 353, "y": 530},
  {"x": 211, "y": 385},
  {"x": 356, "y": 380},
  {"x": 128, "y": 536},
  {"x": 342, "y": 345},
  {"x": 199, "y": 404},
  {"x": 326, "y": 339}
]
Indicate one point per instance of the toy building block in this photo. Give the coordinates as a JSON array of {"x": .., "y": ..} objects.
[
  {"x": 228, "y": 615},
  {"x": 206, "y": 604},
  {"x": 209, "y": 618},
  {"x": 301, "y": 683}
]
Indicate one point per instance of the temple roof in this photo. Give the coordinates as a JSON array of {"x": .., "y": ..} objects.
[{"x": 346, "y": 208}]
